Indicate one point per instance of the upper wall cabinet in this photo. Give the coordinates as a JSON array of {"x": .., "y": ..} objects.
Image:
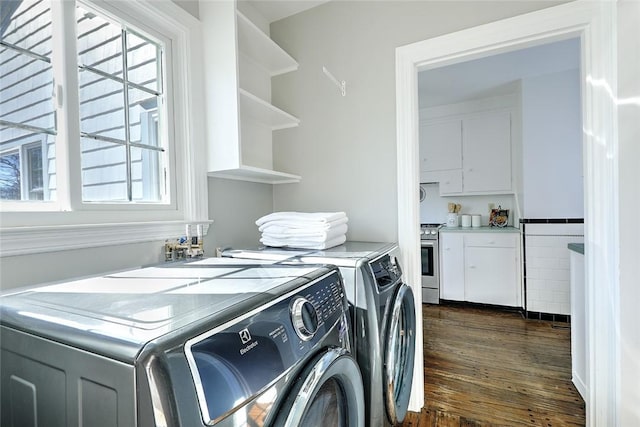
[
  {"x": 239, "y": 61},
  {"x": 468, "y": 154},
  {"x": 441, "y": 145},
  {"x": 486, "y": 152}
]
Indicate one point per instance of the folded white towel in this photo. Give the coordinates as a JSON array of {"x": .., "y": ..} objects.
[
  {"x": 304, "y": 225},
  {"x": 301, "y": 217},
  {"x": 280, "y": 232},
  {"x": 304, "y": 244}
]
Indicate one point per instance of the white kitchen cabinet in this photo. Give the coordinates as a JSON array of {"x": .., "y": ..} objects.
[
  {"x": 452, "y": 266},
  {"x": 239, "y": 61},
  {"x": 441, "y": 145},
  {"x": 487, "y": 152},
  {"x": 481, "y": 267},
  {"x": 468, "y": 155}
]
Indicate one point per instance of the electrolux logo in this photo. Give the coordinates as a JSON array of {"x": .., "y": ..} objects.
[{"x": 245, "y": 336}]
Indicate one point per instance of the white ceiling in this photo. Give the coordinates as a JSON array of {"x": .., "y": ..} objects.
[
  {"x": 494, "y": 75},
  {"x": 274, "y": 10}
]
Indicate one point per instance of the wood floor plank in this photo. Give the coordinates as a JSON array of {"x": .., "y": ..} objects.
[{"x": 486, "y": 368}]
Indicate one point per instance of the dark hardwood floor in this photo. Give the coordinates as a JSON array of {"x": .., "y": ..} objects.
[{"x": 486, "y": 367}]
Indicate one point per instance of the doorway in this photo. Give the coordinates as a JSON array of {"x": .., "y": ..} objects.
[{"x": 594, "y": 24}]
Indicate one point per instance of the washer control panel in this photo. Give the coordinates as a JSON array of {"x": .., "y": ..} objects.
[{"x": 327, "y": 299}]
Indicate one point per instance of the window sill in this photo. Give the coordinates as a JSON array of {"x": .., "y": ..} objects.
[{"x": 31, "y": 240}]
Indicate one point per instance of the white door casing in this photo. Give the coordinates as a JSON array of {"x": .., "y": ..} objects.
[{"x": 595, "y": 24}]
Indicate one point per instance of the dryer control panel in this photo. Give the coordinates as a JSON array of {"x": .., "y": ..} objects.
[
  {"x": 386, "y": 270},
  {"x": 235, "y": 362}
]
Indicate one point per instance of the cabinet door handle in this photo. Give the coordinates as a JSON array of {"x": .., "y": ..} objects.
[{"x": 472, "y": 266}]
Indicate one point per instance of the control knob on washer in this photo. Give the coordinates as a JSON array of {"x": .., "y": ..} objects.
[{"x": 305, "y": 318}]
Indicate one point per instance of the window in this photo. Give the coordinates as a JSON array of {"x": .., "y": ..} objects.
[
  {"x": 100, "y": 122},
  {"x": 119, "y": 82},
  {"x": 26, "y": 106},
  {"x": 21, "y": 173},
  {"x": 10, "y": 175}
]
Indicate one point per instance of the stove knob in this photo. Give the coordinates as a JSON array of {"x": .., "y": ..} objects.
[
  {"x": 305, "y": 318},
  {"x": 433, "y": 232}
]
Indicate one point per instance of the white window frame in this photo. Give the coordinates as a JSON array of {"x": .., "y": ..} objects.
[{"x": 68, "y": 222}]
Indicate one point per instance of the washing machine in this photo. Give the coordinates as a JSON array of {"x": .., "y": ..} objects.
[
  {"x": 382, "y": 314},
  {"x": 218, "y": 342}
]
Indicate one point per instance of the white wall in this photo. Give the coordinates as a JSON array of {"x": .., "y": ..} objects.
[
  {"x": 33, "y": 269},
  {"x": 345, "y": 147},
  {"x": 191, "y": 6},
  {"x": 552, "y": 146},
  {"x": 434, "y": 208},
  {"x": 629, "y": 180},
  {"x": 234, "y": 206}
]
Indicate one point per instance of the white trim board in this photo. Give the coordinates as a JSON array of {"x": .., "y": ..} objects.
[{"x": 594, "y": 23}]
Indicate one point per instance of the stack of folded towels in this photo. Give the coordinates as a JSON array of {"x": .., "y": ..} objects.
[{"x": 316, "y": 230}]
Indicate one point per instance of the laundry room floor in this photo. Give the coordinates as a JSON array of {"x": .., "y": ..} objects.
[{"x": 486, "y": 367}]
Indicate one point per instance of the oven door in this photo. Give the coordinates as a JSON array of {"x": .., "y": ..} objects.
[
  {"x": 429, "y": 261},
  {"x": 430, "y": 277}
]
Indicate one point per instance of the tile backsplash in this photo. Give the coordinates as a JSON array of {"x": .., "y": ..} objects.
[{"x": 547, "y": 265}]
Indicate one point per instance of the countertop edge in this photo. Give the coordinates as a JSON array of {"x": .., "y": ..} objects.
[{"x": 483, "y": 229}]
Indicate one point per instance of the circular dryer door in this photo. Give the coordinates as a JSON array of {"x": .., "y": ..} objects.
[
  {"x": 329, "y": 393},
  {"x": 399, "y": 354}
]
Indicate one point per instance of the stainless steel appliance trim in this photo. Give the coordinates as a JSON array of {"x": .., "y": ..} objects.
[
  {"x": 195, "y": 340},
  {"x": 335, "y": 362},
  {"x": 297, "y": 318},
  {"x": 403, "y": 346}
]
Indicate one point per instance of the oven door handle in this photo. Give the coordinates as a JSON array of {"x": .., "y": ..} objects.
[{"x": 428, "y": 243}]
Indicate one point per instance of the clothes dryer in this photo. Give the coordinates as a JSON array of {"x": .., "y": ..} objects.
[
  {"x": 382, "y": 313},
  {"x": 218, "y": 342}
]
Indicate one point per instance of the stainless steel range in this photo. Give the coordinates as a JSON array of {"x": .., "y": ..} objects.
[{"x": 430, "y": 265}]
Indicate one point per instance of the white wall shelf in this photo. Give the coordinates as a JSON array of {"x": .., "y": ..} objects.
[
  {"x": 253, "y": 174},
  {"x": 259, "y": 47},
  {"x": 240, "y": 60},
  {"x": 263, "y": 112}
]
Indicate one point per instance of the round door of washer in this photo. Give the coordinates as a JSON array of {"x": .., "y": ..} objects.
[
  {"x": 399, "y": 354},
  {"x": 329, "y": 391}
]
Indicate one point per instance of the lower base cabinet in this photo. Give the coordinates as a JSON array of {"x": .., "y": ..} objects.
[
  {"x": 579, "y": 334},
  {"x": 481, "y": 268},
  {"x": 452, "y": 266}
]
